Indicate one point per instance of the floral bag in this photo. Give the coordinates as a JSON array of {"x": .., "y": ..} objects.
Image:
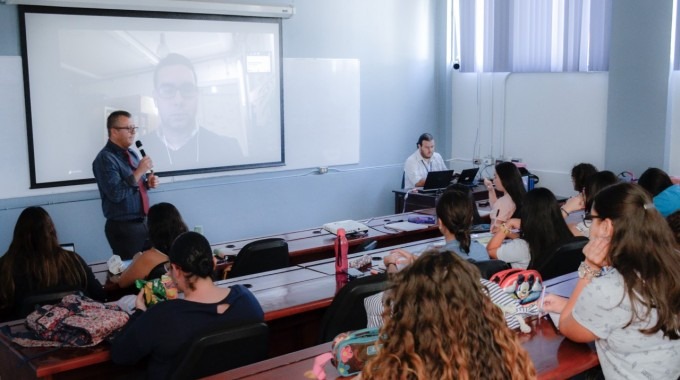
[{"x": 75, "y": 321}]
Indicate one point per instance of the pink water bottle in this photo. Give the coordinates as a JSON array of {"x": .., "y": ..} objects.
[{"x": 341, "y": 249}]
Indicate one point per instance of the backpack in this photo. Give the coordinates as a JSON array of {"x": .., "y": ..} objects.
[
  {"x": 76, "y": 321},
  {"x": 525, "y": 285}
]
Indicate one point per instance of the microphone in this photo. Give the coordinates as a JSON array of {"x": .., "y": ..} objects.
[{"x": 138, "y": 144}]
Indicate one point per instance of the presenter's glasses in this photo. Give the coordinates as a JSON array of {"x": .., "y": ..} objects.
[
  {"x": 130, "y": 128},
  {"x": 169, "y": 91}
]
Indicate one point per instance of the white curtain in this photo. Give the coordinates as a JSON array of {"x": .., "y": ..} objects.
[{"x": 531, "y": 35}]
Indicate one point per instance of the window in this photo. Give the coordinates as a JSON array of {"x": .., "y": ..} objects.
[{"x": 530, "y": 35}]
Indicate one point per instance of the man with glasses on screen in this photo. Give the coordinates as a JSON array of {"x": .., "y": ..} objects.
[
  {"x": 180, "y": 142},
  {"x": 122, "y": 180}
]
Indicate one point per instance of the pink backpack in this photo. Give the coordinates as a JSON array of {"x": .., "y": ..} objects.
[{"x": 525, "y": 285}]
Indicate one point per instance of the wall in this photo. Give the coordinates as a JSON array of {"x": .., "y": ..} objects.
[
  {"x": 639, "y": 67},
  {"x": 626, "y": 119},
  {"x": 399, "y": 100},
  {"x": 550, "y": 121}
]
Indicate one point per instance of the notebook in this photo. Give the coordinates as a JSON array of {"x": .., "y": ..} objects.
[
  {"x": 437, "y": 180},
  {"x": 467, "y": 177}
]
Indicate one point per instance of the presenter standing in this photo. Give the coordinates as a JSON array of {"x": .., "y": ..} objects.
[
  {"x": 421, "y": 162},
  {"x": 123, "y": 183}
]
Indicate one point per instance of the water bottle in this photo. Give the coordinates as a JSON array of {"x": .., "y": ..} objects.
[{"x": 341, "y": 249}]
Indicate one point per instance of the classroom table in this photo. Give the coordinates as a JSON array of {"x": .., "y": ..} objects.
[
  {"x": 294, "y": 300},
  {"x": 554, "y": 357},
  {"x": 316, "y": 243}
]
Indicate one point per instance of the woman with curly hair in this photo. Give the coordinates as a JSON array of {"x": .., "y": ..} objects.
[
  {"x": 35, "y": 263},
  {"x": 441, "y": 324},
  {"x": 627, "y": 299},
  {"x": 165, "y": 224}
]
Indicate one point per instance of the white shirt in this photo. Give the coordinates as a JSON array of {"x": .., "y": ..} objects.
[{"x": 417, "y": 167}]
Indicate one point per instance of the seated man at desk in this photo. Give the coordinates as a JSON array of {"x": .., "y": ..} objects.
[{"x": 421, "y": 162}]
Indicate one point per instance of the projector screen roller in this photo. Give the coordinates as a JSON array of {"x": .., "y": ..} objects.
[{"x": 204, "y": 91}]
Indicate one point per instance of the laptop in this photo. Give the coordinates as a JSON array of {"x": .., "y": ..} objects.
[
  {"x": 467, "y": 177},
  {"x": 437, "y": 180}
]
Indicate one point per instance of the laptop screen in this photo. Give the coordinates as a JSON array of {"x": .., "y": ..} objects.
[
  {"x": 438, "y": 179},
  {"x": 467, "y": 176}
]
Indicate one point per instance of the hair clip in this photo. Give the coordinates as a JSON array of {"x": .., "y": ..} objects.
[{"x": 649, "y": 206}]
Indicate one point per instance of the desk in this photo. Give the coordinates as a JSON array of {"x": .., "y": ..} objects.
[
  {"x": 306, "y": 245},
  {"x": 554, "y": 357},
  {"x": 316, "y": 243},
  {"x": 294, "y": 300}
]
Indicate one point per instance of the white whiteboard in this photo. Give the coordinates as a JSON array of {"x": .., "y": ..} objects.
[
  {"x": 321, "y": 112},
  {"x": 321, "y": 115}
]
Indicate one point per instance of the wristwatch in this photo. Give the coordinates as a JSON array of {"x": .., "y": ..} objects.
[{"x": 585, "y": 271}]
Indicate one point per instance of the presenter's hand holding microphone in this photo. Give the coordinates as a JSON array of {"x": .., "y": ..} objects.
[{"x": 146, "y": 165}]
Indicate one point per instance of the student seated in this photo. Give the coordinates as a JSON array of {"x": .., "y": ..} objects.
[
  {"x": 454, "y": 217},
  {"x": 400, "y": 258},
  {"x": 35, "y": 262},
  {"x": 626, "y": 300},
  {"x": 674, "y": 222},
  {"x": 441, "y": 324},
  {"x": 164, "y": 331},
  {"x": 165, "y": 224},
  {"x": 542, "y": 230},
  {"x": 584, "y": 200},
  {"x": 509, "y": 181},
  {"x": 659, "y": 185},
  {"x": 579, "y": 175}
]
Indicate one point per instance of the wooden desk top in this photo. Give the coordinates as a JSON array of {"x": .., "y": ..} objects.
[
  {"x": 554, "y": 357},
  {"x": 318, "y": 241}
]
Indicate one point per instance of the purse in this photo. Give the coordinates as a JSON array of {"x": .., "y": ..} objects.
[{"x": 352, "y": 349}]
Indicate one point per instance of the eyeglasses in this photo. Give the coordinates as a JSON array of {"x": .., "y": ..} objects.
[
  {"x": 167, "y": 266},
  {"x": 130, "y": 128},
  {"x": 588, "y": 219},
  {"x": 169, "y": 91}
]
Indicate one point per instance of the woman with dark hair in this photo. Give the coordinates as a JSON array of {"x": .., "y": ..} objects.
[
  {"x": 165, "y": 224},
  {"x": 163, "y": 332},
  {"x": 454, "y": 218},
  {"x": 509, "y": 181},
  {"x": 593, "y": 185},
  {"x": 627, "y": 299},
  {"x": 441, "y": 324},
  {"x": 659, "y": 185},
  {"x": 580, "y": 173},
  {"x": 35, "y": 262},
  {"x": 542, "y": 230}
]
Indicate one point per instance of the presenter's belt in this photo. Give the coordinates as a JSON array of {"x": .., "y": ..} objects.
[{"x": 129, "y": 221}]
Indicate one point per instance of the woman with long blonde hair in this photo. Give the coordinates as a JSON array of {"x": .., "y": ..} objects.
[{"x": 441, "y": 324}]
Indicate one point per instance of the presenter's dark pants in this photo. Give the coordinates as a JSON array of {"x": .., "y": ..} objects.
[{"x": 127, "y": 237}]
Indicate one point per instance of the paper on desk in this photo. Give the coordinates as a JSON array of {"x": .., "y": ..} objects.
[
  {"x": 555, "y": 318},
  {"x": 406, "y": 226}
]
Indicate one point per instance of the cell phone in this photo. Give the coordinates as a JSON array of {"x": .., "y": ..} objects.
[{"x": 354, "y": 272}]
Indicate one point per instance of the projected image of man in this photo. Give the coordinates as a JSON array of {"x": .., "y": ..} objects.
[{"x": 180, "y": 142}]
